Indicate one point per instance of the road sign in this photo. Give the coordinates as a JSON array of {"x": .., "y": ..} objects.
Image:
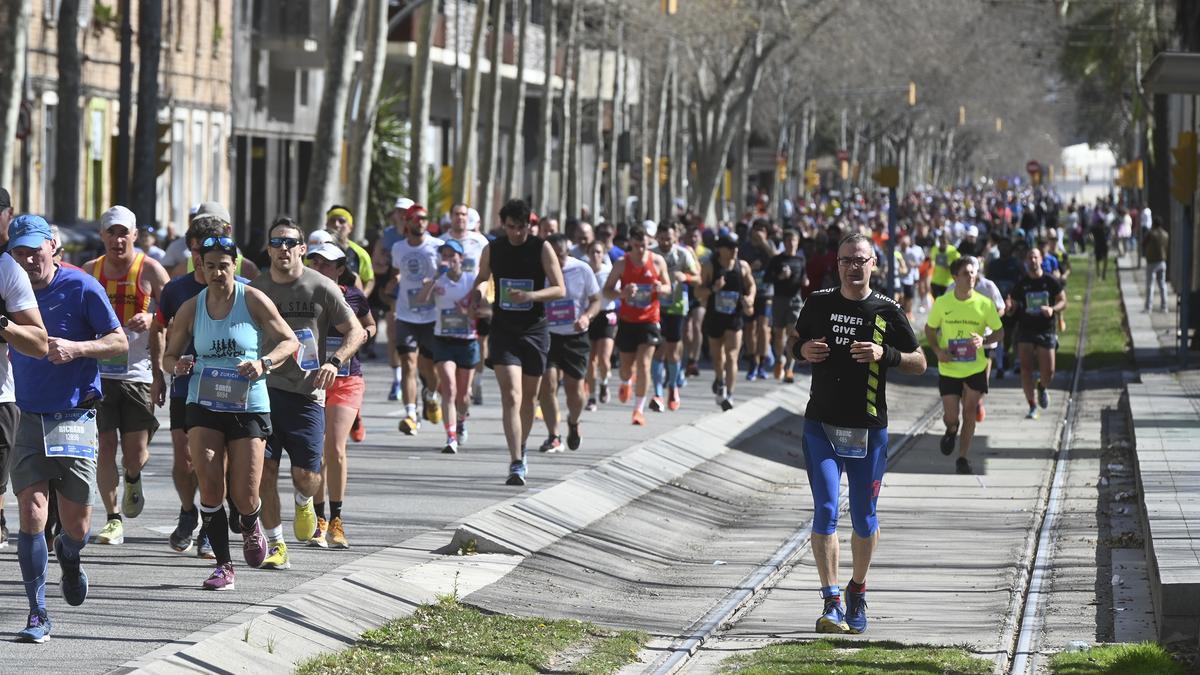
[{"x": 1033, "y": 167}]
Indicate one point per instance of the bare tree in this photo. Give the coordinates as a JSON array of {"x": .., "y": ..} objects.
[
  {"x": 362, "y": 125},
  {"x": 514, "y": 169},
  {"x": 15, "y": 14},
  {"x": 546, "y": 112},
  {"x": 69, "y": 120},
  {"x": 598, "y": 120},
  {"x": 467, "y": 147},
  {"x": 620, "y": 76},
  {"x": 419, "y": 100},
  {"x": 491, "y": 107}
]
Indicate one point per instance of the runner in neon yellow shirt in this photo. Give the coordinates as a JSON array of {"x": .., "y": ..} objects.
[
  {"x": 957, "y": 322},
  {"x": 943, "y": 256}
]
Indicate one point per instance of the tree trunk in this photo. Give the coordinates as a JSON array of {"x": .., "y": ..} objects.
[
  {"x": 323, "y": 186},
  {"x": 674, "y": 138},
  {"x": 616, "y": 209},
  {"x": 145, "y": 141},
  {"x": 571, "y": 157},
  {"x": 69, "y": 120},
  {"x": 125, "y": 111},
  {"x": 741, "y": 175},
  {"x": 546, "y": 112},
  {"x": 419, "y": 98},
  {"x": 654, "y": 184},
  {"x": 644, "y": 186},
  {"x": 598, "y": 127},
  {"x": 362, "y": 127},
  {"x": 14, "y": 13},
  {"x": 466, "y": 150},
  {"x": 491, "y": 106},
  {"x": 514, "y": 168}
]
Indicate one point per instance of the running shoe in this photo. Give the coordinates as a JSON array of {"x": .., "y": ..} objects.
[
  {"x": 604, "y": 397},
  {"x": 537, "y": 412},
  {"x": 181, "y": 538},
  {"x": 408, "y": 426},
  {"x": 656, "y": 404},
  {"x": 254, "y": 545},
  {"x": 718, "y": 387},
  {"x": 948, "y": 440},
  {"x": 37, "y": 629},
  {"x": 962, "y": 466},
  {"x": 337, "y": 534},
  {"x": 591, "y": 405},
  {"x": 233, "y": 516},
  {"x": 789, "y": 377},
  {"x": 278, "y": 558},
  {"x": 318, "y": 538},
  {"x": 394, "y": 394},
  {"x": 573, "y": 438},
  {"x": 833, "y": 618},
  {"x": 980, "y": 412},
  {"x": 673, "y": 399},
  {"x": 1043, "y": 397},
  {"x": 451, "y": 447},
  {"x": 476, "y": 393},
  {"x": 680, "y": 378},
  {"x": 74, "y": 584},
  {"x": 204, "y": 546},
  {"x": 552, "y": 444},
  {"x": 304, "y": 525},
  {"x": 112, "y": 534},
  {"x": 726, "y": 404},
  {"x": 3, "y": 535},
  {"x": 358, "y": 431},
  {"x": 516, "y": 473},
  {"x": 639, "y": 418},
  {"x": 221, "y": 578},
  {"x": 133, "y": 500},
  {"x": 625, "y": 392},
  {"x": 433, "y": 409},
  {"x": 1033, "y": 413},
  {"x": 761, "y": 371},
  {"x": 752, "y": 374},
  {"x": 692, "y": 370},
  {"x": 856, "y": 612},
  {"x": 462, "y": 433}
]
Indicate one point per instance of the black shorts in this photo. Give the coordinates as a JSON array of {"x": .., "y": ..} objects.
[
  {"x": 603, "y": 326},
  {"x": 785, "y": 311},
  {"x": 527, "y": 348},
  {"x": 672, "y": 327},
  {"x": 910, "y": 291},
  {"x": 483, "y": 327},
  {"x": 717, "y": 324},
  {"x": 630, "y": 336},
  {"x": 762, "y": 307},
  {"x": 414, "y": 337},
  {"x": 178, "y": 407},
  {"x": 953, "y": 386},
  {"x": 936, "y": 290},
  {"x": 10, "y": 417},
  {"x": 233, "y": 425},
  {"x": 1044, "y": 340},
  {"x": 569, "y": 353}
]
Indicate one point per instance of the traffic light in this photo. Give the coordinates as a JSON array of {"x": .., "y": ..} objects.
[
  {"x": 162, "y": 149},
  {"x": 912, "y": 93},
  {"x": 1183, "y": 173}
]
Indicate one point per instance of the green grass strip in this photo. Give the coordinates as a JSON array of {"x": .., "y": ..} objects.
[
  {"x": 1117, "y": 659},
  {"x": 856, "y": 657}
]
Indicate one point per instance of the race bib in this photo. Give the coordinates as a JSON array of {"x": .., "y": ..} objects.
[
  {"x": 308, "y": 356},
  {"x": 455, "y": 323},
  {"x": 115, "y": 365},
  {"x": 847, "y": 442},
  {"x": 414, "y": 305},
  {"x": 222, "y": 389},
  {"x": 643, "y": 294},
  {"x": 940, "y": 259},
  {"x": 1035, "y": 301},
  {"x": 507, "y": 286},
  {"x": 727, "y": 302},
  {"x": 962, "y": 349},
  {"x": 332, "y": 344},
  {"x": 677, "y": 296},
  {"x": 561, "y": 312},
  {"x": 70, "y": 433},
  {"x": 468, "y": 265}
]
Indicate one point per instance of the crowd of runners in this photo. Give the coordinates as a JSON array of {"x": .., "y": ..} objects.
[{"x": 258, "y": 356}]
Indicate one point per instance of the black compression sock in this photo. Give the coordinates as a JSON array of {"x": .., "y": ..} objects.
[
  {"x": 320, "y": 508},
  {"x": 216, "y": 523},
  {"x": 335, "y": 509},
  {"x": 115, "y": 516},
  {"x": 247, "y": 520},
  {"x": 133, "y": 479}
]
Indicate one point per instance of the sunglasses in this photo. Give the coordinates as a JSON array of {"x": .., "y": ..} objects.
[
  {"x": 219, "y": 242},
  {"x": 285, "y": 242}
]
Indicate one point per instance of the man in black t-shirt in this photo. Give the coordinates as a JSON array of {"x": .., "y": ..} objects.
[
  {"x": 852, "y": 336},
  {"x": 787, "y": 272},
  {"x": 1034, "y": 300}
]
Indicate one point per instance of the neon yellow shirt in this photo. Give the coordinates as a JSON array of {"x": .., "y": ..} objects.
[
  {"x": 956, "y": 320},
  {"x": 942, "y": 260}
]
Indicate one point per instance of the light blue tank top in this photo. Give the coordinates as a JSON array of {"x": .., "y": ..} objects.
[{"x": 223, "y": 344}]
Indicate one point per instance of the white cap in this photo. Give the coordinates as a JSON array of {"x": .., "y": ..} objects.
[
  {"x": 403, "y": 203},
  {"x": 327, "y": 251},
  {"x": 118, "y": 215},
  {"x": 472, "y": 219},
  {"x": 972, "y": 231},
  {"x": 650, "y": 227},
  {"x": 319, "y": 237}
]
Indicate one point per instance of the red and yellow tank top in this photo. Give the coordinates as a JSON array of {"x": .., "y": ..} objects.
[
  {"x": 125, "y": 294},
  {"x": 643, "y": 308}
]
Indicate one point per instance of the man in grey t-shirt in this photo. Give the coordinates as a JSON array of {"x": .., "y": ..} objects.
[{"x": 311, "y": 304}]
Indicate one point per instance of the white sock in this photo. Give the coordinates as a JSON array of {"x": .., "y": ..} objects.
[
  {"x": 410, "y": 409},
  {"x": 275, "y": 534},
  {"x": 641, "y": 403},
  {"x": 301, "y": 500},
  {"x": 397, "y": 374}
]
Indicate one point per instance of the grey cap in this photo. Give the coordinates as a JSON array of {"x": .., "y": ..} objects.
[
  {"x": 118, "y": 215},
  {"x": 212, "y": 210},
  {"x": 5, "y": 199}
]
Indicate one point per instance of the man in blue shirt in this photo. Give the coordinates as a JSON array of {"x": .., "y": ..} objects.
[{"x": 56, "y": 439}]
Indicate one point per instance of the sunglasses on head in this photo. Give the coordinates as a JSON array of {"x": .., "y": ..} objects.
[
  {"x": 285, "y": 242},
  {"x": 219, "y": 244}
]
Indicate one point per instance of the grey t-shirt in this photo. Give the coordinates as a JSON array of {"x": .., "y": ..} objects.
[{"x": 310, "y": 305}]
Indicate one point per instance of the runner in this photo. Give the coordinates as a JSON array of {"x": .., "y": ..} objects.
[
  {"x": 693, "y": 338},
  {"x": 313, "y": 308},
  {"x": 643, "y": 278},
  {"x": 381, "y": 259},
  {"x": 216, "y": 213},
  {"x": 1034, "y": 300},
  {"x": 602, "y": 329},
  {"x": 569, "y": 319},
  {"x": 959, "y": 324},
  {"x": 914, "y": 258},
  {"x": 758, "y": 251},
  {"x": 343, "y": 401},
  {"x": 455, "y": 340},
  {"x": 472, "y": 244},
  {"x": 339, "y": 223},
  {"x": 57, "y": 386},
  {"x": 943, "y": 255},
  {"x": 786, "y": 272},
  {"x": 414, "y": 259},
  {"x": 727, "y": 291},
  {"x": 526, "y": 274},
  {"x": 682, "y": 270},
  {"x": 228, "y": 408},
  {"x": 853, "y": 337},
  {"x": 132, "y": 382}
]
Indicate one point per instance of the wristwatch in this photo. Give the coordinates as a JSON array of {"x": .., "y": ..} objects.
[
  {"x": 266, "y": 364},
  {"x": 337, "y": 363},
  {"x": 3, "y": 322}
]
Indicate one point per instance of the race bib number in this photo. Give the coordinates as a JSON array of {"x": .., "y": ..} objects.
[
  {"x": 940, "y": 259},
  {"x": 115, "y": 365},
  {"x": 561, "y": 312},
  {"x": 332, "y": 344},
  {"x": 963, "y": 349},
  {"x": 308, "y": 356},
  {"x": 507, "y": 286},
  {"x": 223, "y": 389},
  {"x": 1036, "y": 300},
  {"x": 847, "y": 442},
  {"x": 468, "y": 265},
  {"x": 677, "y": 296},
  {"x": 455, "y": 323},
  {"x": 414, "y": 305},
  {"x": 643, "y": 294},
  {"x": 70, "y": 433},
  {"x": 727, "y": 302}
]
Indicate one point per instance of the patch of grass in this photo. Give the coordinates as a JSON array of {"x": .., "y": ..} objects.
[
  {"x": 1117, "y": 659},
  {"x": 449, "y": 637},
  {"x": 1107, "y": 339},
  {"x": 855, "y": 657}
]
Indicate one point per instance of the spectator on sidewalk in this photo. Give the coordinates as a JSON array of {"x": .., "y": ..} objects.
[{"x": 1154, "y": 248}]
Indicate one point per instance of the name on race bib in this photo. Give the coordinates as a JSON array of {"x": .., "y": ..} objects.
[
  {"x": 643, "y": 295},
  {"x": 70, "y": 433},
  {"x": 507, "y": 286},
  {"x": 455, "y": 322},
  {"x": 222, "y": 389},
  {"x": 332, "y": 344},
  {"x": 961, "y": 349},
  {"x": 414, "y": 305},
  {"x": 727, "y": 301},
  {"x": 308, "y": 356},
  {"x": 849, "y": 442},
  {"x": 1036, "y": 300},
  {"x": 560, "y": 312}
]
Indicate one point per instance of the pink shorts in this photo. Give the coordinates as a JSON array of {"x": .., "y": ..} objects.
[{"x": 346, "y": 391}]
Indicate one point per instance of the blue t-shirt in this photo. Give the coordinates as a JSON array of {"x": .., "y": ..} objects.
[
  {"x": 1050, "y": 264},
  {"x": 174, "y": 294},
  {"x": 74, "y": 306}
]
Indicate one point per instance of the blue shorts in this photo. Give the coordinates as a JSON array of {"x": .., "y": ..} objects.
[
  {"x": 464, "y": 353},
  {"x": 297, "y": 426},
  {"x": 864, "y": 476}
]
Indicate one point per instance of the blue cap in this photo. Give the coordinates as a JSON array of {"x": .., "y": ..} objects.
[
  {"x": 28, "y": 231},
  {"x": 453, "y": 245}
]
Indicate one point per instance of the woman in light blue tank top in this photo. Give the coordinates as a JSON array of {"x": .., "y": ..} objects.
[{"x": 228, "y": 411}]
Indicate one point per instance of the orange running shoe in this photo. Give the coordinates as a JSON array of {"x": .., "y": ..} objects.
[
  {"x": 639, "y": 419},
  {"x": 625, "y": 392},
  {"x": 358, "y": 432},
  {"x": 673, "y": 399},
  {"x": 980, "y": 413}
]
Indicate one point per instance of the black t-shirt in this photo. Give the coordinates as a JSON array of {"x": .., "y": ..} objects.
[
  {"x": 790, "y": 286},
  {"x": 845, "y": 392},
  {"x": 517, "y": 267},
  {"x": 1031, "y": 293}
]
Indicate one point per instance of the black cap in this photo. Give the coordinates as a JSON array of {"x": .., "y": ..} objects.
[{"x": 5, "y": 199}]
